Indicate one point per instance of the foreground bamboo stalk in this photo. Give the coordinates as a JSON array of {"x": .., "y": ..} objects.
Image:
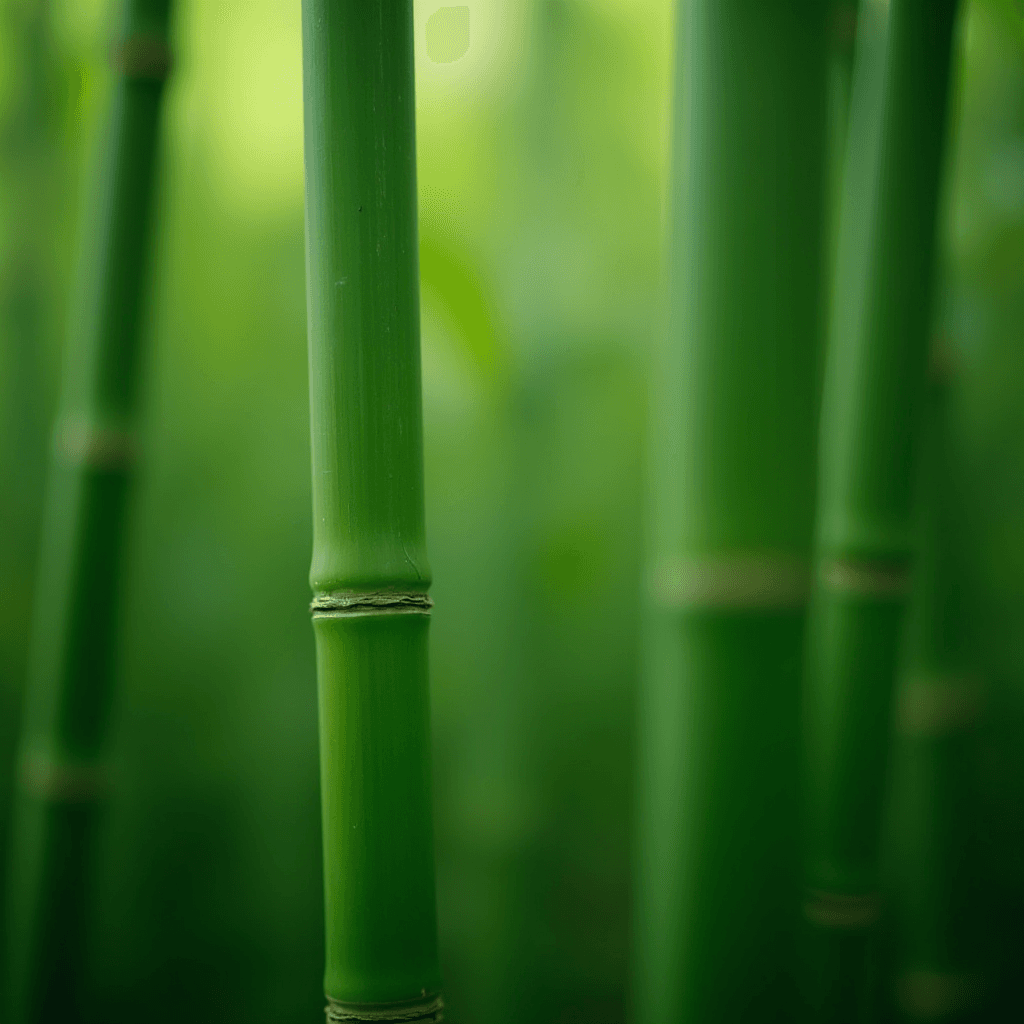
[
  {"x": 733, "y": 493},
  {"x": 940, "y": 958},
  {"x": 62, "y": 780},
  {"x": 370, "y": 573},
  {"x": 874, "y": 378}
]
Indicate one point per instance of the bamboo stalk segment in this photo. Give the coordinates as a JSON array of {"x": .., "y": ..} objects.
[
  {"x": 875, "y": 371},
  {"x": 941, "y": 961},
  {"x": 369, "y": 573},
  {"x": 62, "y": 775},
  {"x": 733, "y": 482}
]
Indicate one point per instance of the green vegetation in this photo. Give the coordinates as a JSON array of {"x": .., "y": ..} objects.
[
  {"x": 370, "y": 573},
  {"x": 735, "y": 410},
  {"x": 62, "y": 769},
  {"x": 874, "y": 377},
  {"x": 542, "y": 149},
  {"x": 944, "y": 956}
]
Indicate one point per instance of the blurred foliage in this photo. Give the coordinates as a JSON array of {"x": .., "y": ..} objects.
[{"x": 542, "y": 171}]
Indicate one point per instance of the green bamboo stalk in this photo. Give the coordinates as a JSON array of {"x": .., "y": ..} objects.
[
  {"x": 840, "y": 76},
  {"x": 62, "y": 779},
  {"x": 735, "y": 411},
  {"x": 874, "y": 375},
  {"x": 940, "y": 956},
  {"x": 370, "y": 573},
  {"x": 31, "y": 168}
]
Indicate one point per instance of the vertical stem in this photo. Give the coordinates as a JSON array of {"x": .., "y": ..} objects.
[
  {"x": 30, "y": 166},
  {"x": 940, "y": 960},
  {"x": 733, "y": 492},
  {"x": 62, "y": 782},
  {"x": 370, "y": 573},
  {"x": 840, "y": 75},
  {"x": 874, "y": 375}
]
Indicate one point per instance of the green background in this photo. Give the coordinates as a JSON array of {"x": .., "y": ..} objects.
[{"x": 542, "y": 164}]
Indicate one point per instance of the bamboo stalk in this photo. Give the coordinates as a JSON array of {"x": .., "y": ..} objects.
[
  {"x": 940, "y": 958},
  {"x": 733, "y": 486},
  {"x": 370, "y": 573},
  {"x": 874, "y": 376},
  {"x": 31, "y": 168},
  {"x": 62, "y": 777},
  {"x": 840, "y": 75}
]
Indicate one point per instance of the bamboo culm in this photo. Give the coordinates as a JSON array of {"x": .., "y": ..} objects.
[
  {"x": 733, "y": 483},
  {"x": 369, "y": 573},
  {"x": 62, "y": 779},
  {"x": 941, "y": 958},
  {"x": 874, "y": 377}
]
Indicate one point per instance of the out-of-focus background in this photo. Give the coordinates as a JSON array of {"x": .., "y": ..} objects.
[{"x": 542, "y": 169}]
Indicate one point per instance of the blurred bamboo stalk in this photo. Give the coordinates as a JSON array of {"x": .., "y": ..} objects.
[
  {"x": 370, "y": 573},
  {"x": 30, "y": 159},
  {"x": 733, "y": 481},
  {"x": 62, "y": 776},
  {"x": 840, "y": 75},
  {"x": 874, "y": 376},
  {"x": 940, "y": 968}
]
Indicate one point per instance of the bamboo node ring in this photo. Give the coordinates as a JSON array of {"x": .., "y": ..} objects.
[
  {"x": 735, "y": 581},
  {"x": 62, "y": 781},
  {"x": 429, "y": 1012},
  {"x": 82, "y": 443},
  {"x": 842, "y": 911},
  {"x": 932, "y": 994},
  {"x": 142, "y": 57},
  {"x": 866, "y": 577},
  {"x": 378, "y": 602},
  {"x": 939, "y": 706}
]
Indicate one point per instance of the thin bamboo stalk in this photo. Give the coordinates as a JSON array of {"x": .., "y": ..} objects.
[
  {"x": 62, "y": 780},
  {"x": 370, "y": 573},
  {"x": 31, "y": 169},
  {"x": 735, "y": 412},
  {"x": 843, "y": 37},
  {"x": 874, "y": 375},
  {"x": 940, "y": 963}
]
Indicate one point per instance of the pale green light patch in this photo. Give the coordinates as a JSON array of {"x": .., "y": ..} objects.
[
  {"x": 241, "y": 87},
  {"x": 448, "y": 34}
]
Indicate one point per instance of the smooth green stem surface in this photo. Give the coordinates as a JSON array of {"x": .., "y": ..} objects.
[
  {"x": 940, "y": 968},
  {"x": 733, "y": 482},
  {"x": 62, "y": 780},
  {"x": 369, "y": 573},
  {"x": 875, "y": 370}
]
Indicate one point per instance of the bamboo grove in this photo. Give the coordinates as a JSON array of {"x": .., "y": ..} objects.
[
  {"x": 741, "y": 746},
  {"x": 62, "y": 774}
]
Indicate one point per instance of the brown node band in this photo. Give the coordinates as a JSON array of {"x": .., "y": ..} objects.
[
  {"x": 371, "y": 603},
  {"x": 842, "y": 911},
  {"x": 142, "y": 57},
  {"x": 81, "y": 443},
  {"x": 856, "y": 577},
  {"x": 430, "y": 1011},
  {"x": 63, "y": 781}
]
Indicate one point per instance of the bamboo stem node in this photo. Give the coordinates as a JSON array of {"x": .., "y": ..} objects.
[
  {"x": 842, "y": 911},
  {"x": 80, "y": 443},
  {"x": 939, "y": 706},
  {"x": 429, "y": 1012},
  {"x": 934, "y": 995},
  {"x": 59, "y": 781},
  {"x": 882, "y": 580},
  {"x": 735, "y": 581},
  {"x": 142, "y": 57},
  {"x": 371, "y": 603}
]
